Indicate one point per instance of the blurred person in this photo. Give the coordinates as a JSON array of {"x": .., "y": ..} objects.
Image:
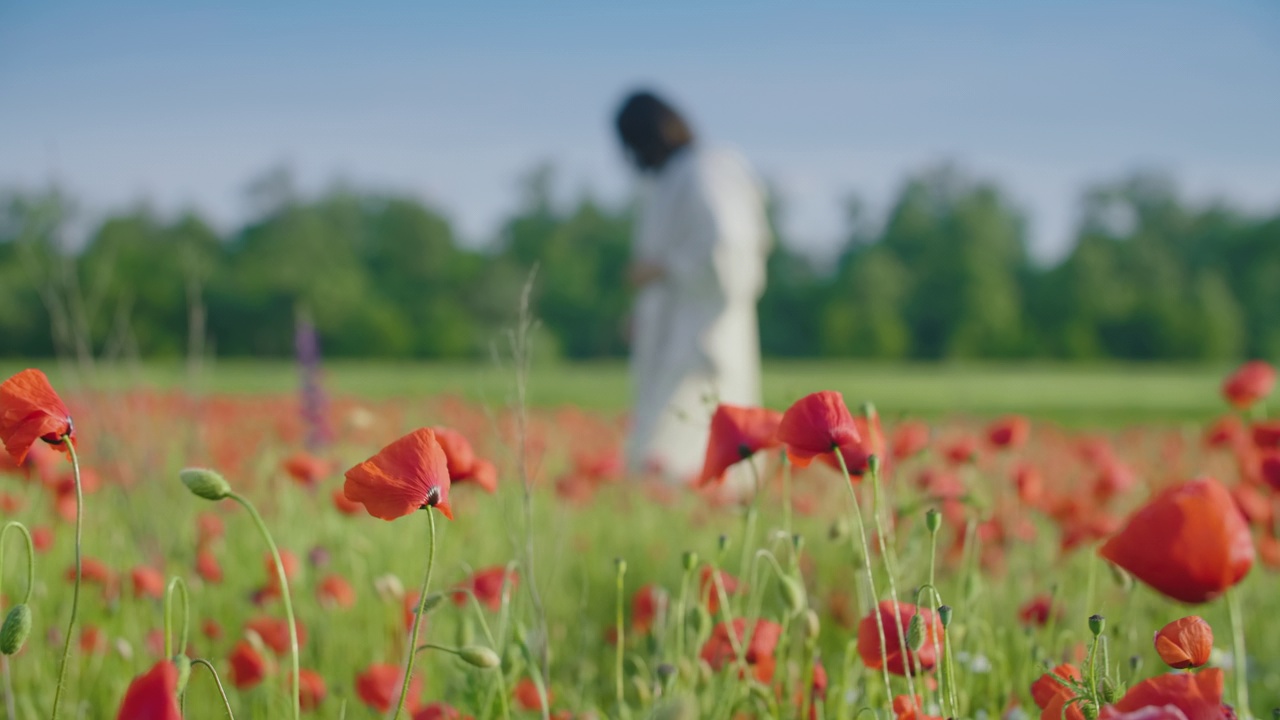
[{"x": 698, "y": 270}]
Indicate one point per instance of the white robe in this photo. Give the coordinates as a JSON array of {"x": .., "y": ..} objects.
[{"x": 695, "y": 336}]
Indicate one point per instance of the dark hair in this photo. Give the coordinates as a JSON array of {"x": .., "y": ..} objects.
[{"x": 651, "y": 130}]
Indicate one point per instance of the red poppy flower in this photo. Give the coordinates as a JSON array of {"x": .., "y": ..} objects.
[
  {"x": 345, "y": 506},
  {"x": 718, "y": 650},
  {"x": 816, "y": 424},
  {"x": 459, "y": 456},
  {"x": 645, "y": 605},
  {"x": 737, "y": 433},
  {"x": 1250, "y": 383},
  {"x": 906, "y": 707},
  {"x": 306, "y": 469},
  {"x": 335, "y": 591},
  {"x": 707, "y": 587},
  {"x": 487, "y": 585},
  {"x": 42, "y": 538},
  {"x": 207, "y": 566},
  {"x": 857, "y": 454},
  {"x": 312, "y": 691},
  {"x": 248, "y": 667},
  {"x": 1190, "y": 542},
  {"x": 30, "y": 410},
  {"x": 211, "y": 629},
  {"x": 1266, "y": 435},
  {"x": 379, "y": 687},
  {"x": 152, "y": 695},
  {"x": 1197, "y": 695},
  {"x": 1269, "y": 468},
  {"x": 526, "y": 695},
  {"x": 1045, "y": 689},
  {"x": 1224, "y": 432},
  {"x": 92, "y": 640},
  {"x": 147, "y": 582},
  {"x": 1185, "y": 643},
  {"x": 909, "y": 439},
  {"x": 92, "y": 571},
  {"x": 439, "y": 711},
  {"x": 209, "y": 527},
  {"x": 1009, "y": 432},
  {"x": 900, "y": 659},
  {"x": 1037, "y": 611},
  {"x": 483, "y": 473},
  {"x": 410, "y": 474},
  {"x": 275, "y": 633},
  {"x": 1030, "y": 484}
]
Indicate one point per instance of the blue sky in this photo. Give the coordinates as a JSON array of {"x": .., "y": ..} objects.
[{"x": 181, "y": 104}]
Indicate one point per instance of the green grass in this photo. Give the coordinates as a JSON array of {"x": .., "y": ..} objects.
[{"x": 1071, "y": 394}]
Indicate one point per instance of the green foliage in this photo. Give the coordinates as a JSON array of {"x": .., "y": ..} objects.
[{"x": 946, "y": 275}]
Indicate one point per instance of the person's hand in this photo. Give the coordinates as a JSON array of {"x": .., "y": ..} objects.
[{"x": 643, "y": 273}]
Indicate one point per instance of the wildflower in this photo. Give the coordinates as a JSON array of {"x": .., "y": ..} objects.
[
  {"x": 737, "y": 433},
  {"x": 248, "y": 667},
  {"x": 816, "y": 424},
  {"x": 526, "y": 695},
  {"x": 898, "y": 657},
  {"x": 906, "y": 707},
  {"x": 345, "y": 506},
  {"x": 1051, "y": 696},
  {"x": 439, "y": 711},
  {"x": 1195, "y": 695},
  {"x": 152, "y": 695},
  {"x": 313, "y": 690},
  {"x": 486, "y": 585},
  {"x": 1009, "y": 432},
  {"x": 335, "y": 591},
  {"x": 909, "y": 438},
  {"x": 718, "y": 650},
  {"x": 407, "y": 475},
  {"x": 379, "y": 687},
  {"x": 1189, "y": 542},
  {"x": 275, "y": 633},
  {"x": 1185, "y": 643},
  {"x": 306, "y": 469},
  {"x": 31, "y": 410},
  {"x": 207, "y": 566},
  {"x": 147, "y": 582},
  {"x": 1251, "y": 382},
  {"x": 645, "y": 607},
  {"x": 707, "y": 587}
]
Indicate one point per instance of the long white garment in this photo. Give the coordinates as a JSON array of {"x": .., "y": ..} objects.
[{"x": 695, "y": 339}]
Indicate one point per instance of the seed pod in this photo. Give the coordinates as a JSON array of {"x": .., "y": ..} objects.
[
  {"x": 205, "y": 483},
  {"x": 1097, "y": 624},
  {"x": 944, "y": 614},
  {"x": 873, "y": 464},
  {"x": 666, "y": 671},
  {"x": 16, "y": 628},
  {"x": 183, "y": 663},
  {"x": 480, "y": 656},
  {"x": 1121, "y": 577},
  {"x": 933, "y": 520}
]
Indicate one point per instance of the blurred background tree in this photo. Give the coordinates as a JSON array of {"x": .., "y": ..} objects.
[{"x": 946, "y": 274}]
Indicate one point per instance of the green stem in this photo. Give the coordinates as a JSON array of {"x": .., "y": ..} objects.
[
  {"x": 284, "y": 594},
  {"x": 871, "y": 582},
  {"x": 876, "y": 504},
  {"x": 786, "y": 494},
  {"x": 75, "y": 593},
  {"x": 488, "y": 633},
  {"x": 617, "y": 671},
  {"x": 1241, "y": 665},
  {"x": 31, "y": 556},
  {"x": 226, "y": 704},
  {"x": 417, "y": 616},
  {"x": 681, "y": 620},
  {"x": 174, "y": 584},
  {"x": 749, "y": 523}
]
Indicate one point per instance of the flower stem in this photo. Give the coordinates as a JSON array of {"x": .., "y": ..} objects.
[
  {"x": 889, "y": 569},
  {"x": 871, "y": 582},
  {"x": 284, "y": 594},
  {"x": 31, "y": 556},
  {"x": 75, "y": 592},
  {"x": 1241, "y": 664},
  {"x": 617, "y": 671},
  {"x": 226, "y": 704},
  {"x": 176, "y": 583},
  {"x": 417, "y": 616}
]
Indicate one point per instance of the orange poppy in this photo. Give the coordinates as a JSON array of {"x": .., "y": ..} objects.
[
  {"x": 31, "y": 410},
  {"x": 1197, "y": 695},
  {"x": 147, "y": 582},
  {"x": 718, "y": 651},
  {"x": 486, "y": 585},
  {"x": 379, "y": 687},
  {"x": 152, "y": 695},
  {"x": 248, "y": 667},
  {"x": 345, "y": 506},
  {"x": 335, "y": 591},
  {"x": 898, "y": 658},
  {"x": 483, "y": 473},
  {"x": 305, "y": 468},
  {"x": 816, "y": 424},
  {"x": 1250, "y": 383},
  {"x": 207, "y": 566},
  {"x": 312, "y": 690},
  {"x": 526, "y": 695},
  {"x": 1185, "y": 642},
  {"x": 1045, "y": 689},
  {"x": 1190, "y": 542},
  {"x": 410, "y": 474},
  {"x": 737, "y": 433}
]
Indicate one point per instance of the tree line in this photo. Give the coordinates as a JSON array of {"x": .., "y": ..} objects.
[{"x": 946, "y": 274}]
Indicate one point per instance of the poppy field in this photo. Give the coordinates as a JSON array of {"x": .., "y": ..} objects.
[{"x": 169, "y": 554}]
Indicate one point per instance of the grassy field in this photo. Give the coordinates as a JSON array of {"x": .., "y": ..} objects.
[{"x": 1070, "y": 394}]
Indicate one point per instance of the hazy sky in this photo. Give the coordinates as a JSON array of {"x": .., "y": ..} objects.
[{"x": 183, "y": 103}]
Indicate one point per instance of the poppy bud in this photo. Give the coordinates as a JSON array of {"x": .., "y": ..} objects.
[
  {"x": 1121, "y": 576},
  {"x": 722, "y": 542},
  {"x": 480, "y": 656},
  {"x": 915, "y": 633},
  {"x": 812, "y": 625},
  {"x": 1185, "y": 643},
  {"x": 183, "y": 663},
  {"x": 205, "y": 483},
  {"x": 689, "y": 559},
  {"x": 1108, "y": 691},
  {"x": 1089, "y": 710},
  {"x": 16, "y": 628},
  {"x": 873, "y": 465},
  {"x": 933, "y": 520},
  {"x": 666, "y": 671},
  {"x": 944, "y": 615},
  {"x": 792, "y": 593},
  {"x": 1097, "y": 624}
]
